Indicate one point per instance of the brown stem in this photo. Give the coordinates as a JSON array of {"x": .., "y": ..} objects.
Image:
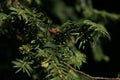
[{"x": 89, "y": 76}]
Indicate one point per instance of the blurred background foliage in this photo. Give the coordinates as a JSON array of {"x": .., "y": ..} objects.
[{"x": 45, "y": 26}]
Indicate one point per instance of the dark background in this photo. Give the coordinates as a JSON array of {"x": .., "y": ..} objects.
[{"x": 111, "y": 48}]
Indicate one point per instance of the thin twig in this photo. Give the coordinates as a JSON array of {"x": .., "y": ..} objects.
[{"x": 89, "y": 76}]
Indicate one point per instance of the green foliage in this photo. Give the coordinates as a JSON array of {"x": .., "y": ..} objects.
[
  {"x": 22, "y": 65},
  {"x": 49, "y": 48}
]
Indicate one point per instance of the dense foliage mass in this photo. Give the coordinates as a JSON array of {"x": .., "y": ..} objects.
[{"x": 51, "y": 35}]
